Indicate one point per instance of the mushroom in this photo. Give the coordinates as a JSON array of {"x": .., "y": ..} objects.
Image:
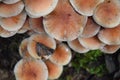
[
  {"x": 110, "y": 36},
  {"x": 54, "y": 71},
  {"x": 64, "y": 24},
  {"x": 77, "y": 47},
  {"x": 91, "y": 43},
  {"x": 41, "y": 45},
  {"x": 85, "y": 7},
  {"x": 31, "y": 69},
  {"x": 9, "y": 10},
  {"x": 36, "y": 24},
  {"x": 110, "y": 49},
  {"x": 10, "y": 1},
  {"x": 39, "y": 8},
  {"x": 62, "y": 55},
  {"x": 91, "y": 29},
  {"x": 107, "y": 14},
  {"x": 13, "y": 23}
]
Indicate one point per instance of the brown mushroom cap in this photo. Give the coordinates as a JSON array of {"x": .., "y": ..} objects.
[
  {"x": 107, "y": 14},
  {"x": 110, "y": 36},
  {"x": 9, "y": 10},
  {"x": 13, "y": 23},
  {"x": 10, "y": 1},
  {"x": 39, "y": 8},
  {"x": 85, "y": 7},
  {"x": 64, "y": 23},
  {"x": 62, "y": 55},
  {"x": 110, "y": 49},
  {"x": 36, "y": 24},
  {"x": 76, "y": 46},
  {"x": 37, "y": 39},
  {"x": 91, "y": 29},
  {"x": 31, "y": 69},
  {"x": 54, "y": 71},
  {"x": 91, "y": 43}
]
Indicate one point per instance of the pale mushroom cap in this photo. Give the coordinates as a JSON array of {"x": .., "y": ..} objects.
[
  {"x": 64, "y": 23},
  {"x": 23, "y": 48},
  {"x": 85, "y": 7},
  {"x": 91, "y": 29},
  {"x": 110, "y": 49},
  {"x": 10, "y": 1},
  {"x": 62, "y": 55},
  {"x": 39, "y": 8},
  {"x": 9, "y": 10},
  {"x": 39, "y": 38},
  {"x": 54, "y": 71},
  {"x": 76, "y": 46},
  {"x": 13, "y": 23},
  {"x": 29, "y": 69},
  {"x": 91, "y": 43},
  {"x": 110, "y": 36},
  {"x": 107, "y": 14},
  {"x": 36, "y": 24}
]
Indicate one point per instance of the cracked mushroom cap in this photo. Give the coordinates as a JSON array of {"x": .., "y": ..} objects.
[
  {"x": 107, "y": 14},
  {"x": 110, "y": 36},
  {"x": 91, "y": 29},
  {"x": 39, "y": 8},
  {"x": 62, "y": 55},
  {"x": 110, "y": 49},
  {"x": 13, "y": 23},
  {"x": 41, "y": 45},
  {"x": 36, "y": 24},
  {"x": 76, "y": 46},
  {"x": 10, "y": 1},
  {"x": 64, "y": 24},
  {"x": 54, "y": 71},
  {"x": 85, "y": 7},
  {"x": 9, "y": 10},
  {"x": 91, "y": 43},
  {"x": 31, "y": 69}
]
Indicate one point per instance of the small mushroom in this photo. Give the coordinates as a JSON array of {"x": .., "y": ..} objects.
[
  {"x": 9, "y": 10},
  {"x": 62, "y": 55},
  {"x": 76, "y": 46},
  {"x": 91, "y": 43},
  {"x": 64, "y": 24},
  {"x": 91, "y": 29},
  {"x": 54, "y": 71},
  {"x": 41, "y": 45},
  {"x": 31, "y": 69},
  {"x": 10, "y": 1},
  {"x": 39, "y": 8},
  {"x": 107, "y": 14},
  {"x": 85, "y": 7},
  {"x": 13, "y": 23}
]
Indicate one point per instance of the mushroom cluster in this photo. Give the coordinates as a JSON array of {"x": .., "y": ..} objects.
[{"x": 52, "y": 24}]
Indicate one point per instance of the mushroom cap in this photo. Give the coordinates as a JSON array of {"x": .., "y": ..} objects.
[
  {"x": 10, "y": 1},
  {"x": 36, "y": 24},
  {"x": 110, "y": 49},
  {"x": 91, "y": 43},
  {"x": 13, "y": 23},
  {"x": 62, "y": 55},
  {"x": 23, "y": 48},
  {"x": 64, "y": 23},
  {"x": 76, "y": 46},
  {"x": 91, "y": 29},
  {"x": 85, "y": 7},
  {"x": 43, "y": 41},
  {"x": 110, "y": 36},
  {"x": 107, "y": 14},
  {"x": 39, "y": 8},
  {"x": 9, "y": 10},
  {"x": 54, "y": 71},
  {"x": 31, "y": 69}
]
